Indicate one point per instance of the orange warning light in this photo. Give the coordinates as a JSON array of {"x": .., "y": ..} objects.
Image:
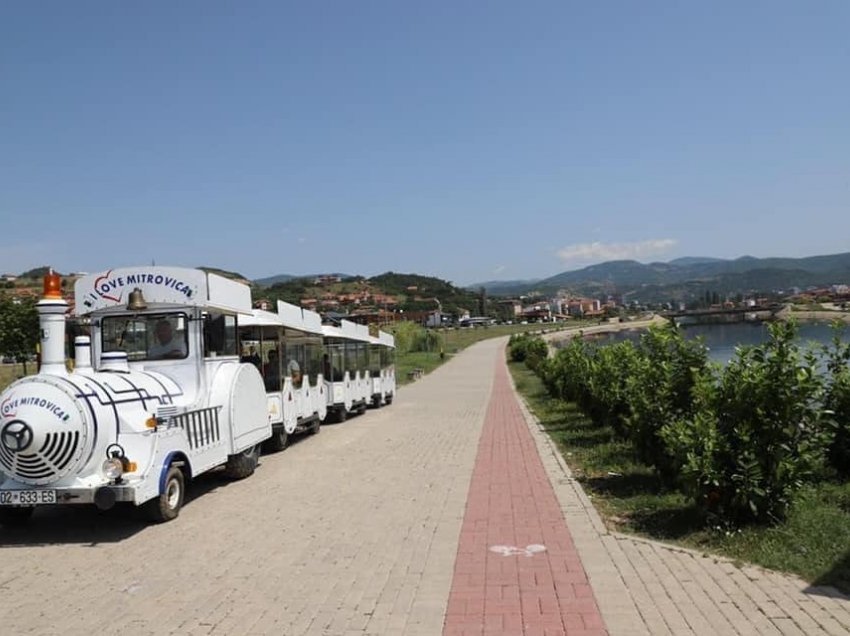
[{"x": 52, "y": 285}]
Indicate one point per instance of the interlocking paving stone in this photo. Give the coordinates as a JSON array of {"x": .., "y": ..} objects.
[
  {"x": 354, "y": 530},
  {"x": 517, "y": 569},
  {"x": 358, "y": 531}
]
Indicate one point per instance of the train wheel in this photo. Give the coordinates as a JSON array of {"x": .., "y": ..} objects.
[
  {"x": 15, "y": 517},
  {"x": 278, "y": 441},
  {"x": 342, "y": 415},
  {"x": 243, "y": 464},
  {"x": 167, "y": 505},
  {"x": 317, "y": 426}
]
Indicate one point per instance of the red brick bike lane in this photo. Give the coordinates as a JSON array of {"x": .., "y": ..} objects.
[{"x": 517, "y": 569}]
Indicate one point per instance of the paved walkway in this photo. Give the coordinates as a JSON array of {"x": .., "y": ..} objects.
[
  {"x": 365, "y": 530},
  {"x": 517, "y": 569}
]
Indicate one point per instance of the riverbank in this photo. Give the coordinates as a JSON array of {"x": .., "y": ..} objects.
[
  {"x": 806, "y": 315},
  {"x": 607, "y": 327}
]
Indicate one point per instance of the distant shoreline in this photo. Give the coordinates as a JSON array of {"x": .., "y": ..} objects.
[
  {"x": 813, "y": 316},
  {"x": 613, "y": 327},
  {"x": 607, "y": 327}
]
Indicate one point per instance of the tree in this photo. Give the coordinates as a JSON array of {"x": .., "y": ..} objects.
[{"x": 19, "y": 329}]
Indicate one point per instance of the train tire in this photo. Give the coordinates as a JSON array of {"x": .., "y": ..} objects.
[
  {"x": 15, "y": 517},
  {"x": 278, "y": 441},
  {"x": 243, "y": 464},
  {"x": 166, "y": 506},
  {"x": 341, "y": 415},
  {"x": 316, "y": 427}
]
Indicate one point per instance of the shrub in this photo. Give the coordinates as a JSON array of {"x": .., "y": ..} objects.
[
  {"x": 609, "y": 370},
  {"x": 529, "y": 349},
  {"x": 837, "y": 401},
  {"x": 756, "y": 435},
  {"x": 518, "y": 347},
  {"x": 565, "y": 375},
  {"x": 536, "y": 351},
  {"x": 660, "y": 390},
  {"x": 410, "y": 337}
]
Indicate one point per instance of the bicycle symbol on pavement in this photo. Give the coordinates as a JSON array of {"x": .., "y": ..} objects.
[{"x": 512, "y": 550}]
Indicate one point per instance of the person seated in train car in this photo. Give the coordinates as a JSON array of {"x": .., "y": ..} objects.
[
  {"x": 252, "y": 357},
  {"x": 294, "y": 371},
  {"x": 166, "y": 345},
  {"x": 271, "y": 371},
  {"x": 326, "y": 367}
]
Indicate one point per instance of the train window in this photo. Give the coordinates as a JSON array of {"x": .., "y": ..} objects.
[
  {"x": 351, "y": 361},
  {"x": 146, "y": 336},
  {"x": 219, "y": 335},
  {"x": 295, "y": 363},
  {"x": 387, "y": 357},
  {"x": 336, "y": 354},
  {"x": 363, "y": 358},
  {"x": 313, "y": 357},
  {"x": 375, "y": 360},
  {"x": 271, "y": 367}
]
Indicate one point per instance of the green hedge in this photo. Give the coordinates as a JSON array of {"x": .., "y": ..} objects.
[{"x": 739, "y": 440}]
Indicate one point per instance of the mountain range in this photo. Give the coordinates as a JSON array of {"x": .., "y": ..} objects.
[{"x": 682, "y": 276}]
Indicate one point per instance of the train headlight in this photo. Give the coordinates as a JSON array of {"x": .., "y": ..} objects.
[{"x": 113, "y": 468}]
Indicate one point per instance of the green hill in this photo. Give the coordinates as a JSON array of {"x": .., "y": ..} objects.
[{"x": 677, "y": 278}]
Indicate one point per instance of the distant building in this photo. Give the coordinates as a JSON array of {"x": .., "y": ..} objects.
[
  {"x": 438, "y": 319},
  {"x": 584, "y": 307},
  {"x": 510, "y": 307}
]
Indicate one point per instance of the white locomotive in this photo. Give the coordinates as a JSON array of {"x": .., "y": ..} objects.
[{"x": 157, "y": 396}]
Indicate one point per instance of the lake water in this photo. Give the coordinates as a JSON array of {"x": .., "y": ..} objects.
[{"x": 721, "y": 340}]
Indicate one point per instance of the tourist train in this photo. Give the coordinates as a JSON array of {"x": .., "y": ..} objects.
[{"x": 179, "y": 375}]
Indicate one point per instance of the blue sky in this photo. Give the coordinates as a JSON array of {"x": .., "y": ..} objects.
[{"x": 468, "y": 140}]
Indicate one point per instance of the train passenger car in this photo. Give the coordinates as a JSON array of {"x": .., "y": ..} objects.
[
  {"x": 346, "y": 365},
  {"x": 157, "y": 395},
  {"x": 286, "y": 347},
  {"x": 382, "y": 369}
]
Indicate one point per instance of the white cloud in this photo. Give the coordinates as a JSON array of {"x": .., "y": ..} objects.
[
  {"x": 598, "y": 251},
  {"x": 302, "y": 240},
  {"x": 499, "y": 269}
]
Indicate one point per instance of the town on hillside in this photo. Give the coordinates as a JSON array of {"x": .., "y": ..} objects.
[{"x": 432, "y": 302}]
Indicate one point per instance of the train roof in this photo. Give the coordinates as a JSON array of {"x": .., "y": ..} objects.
[
  {"x": 347, "y": 330},
  {"x": 260, "y": 318},
  {"x": 296, "y": 317},
  {"x": 161, "y": 286},
  {"x": 289, "y": 316},
  {"x": 351, "y": 331}
]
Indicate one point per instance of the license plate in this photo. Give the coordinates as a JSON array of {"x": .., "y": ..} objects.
[{"x": 27, "y": 497}]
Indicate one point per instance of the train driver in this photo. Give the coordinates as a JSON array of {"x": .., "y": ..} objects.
[{"x": 166, "y": 345}]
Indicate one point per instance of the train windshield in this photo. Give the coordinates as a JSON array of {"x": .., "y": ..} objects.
[{"x": 147, "y": 336}]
